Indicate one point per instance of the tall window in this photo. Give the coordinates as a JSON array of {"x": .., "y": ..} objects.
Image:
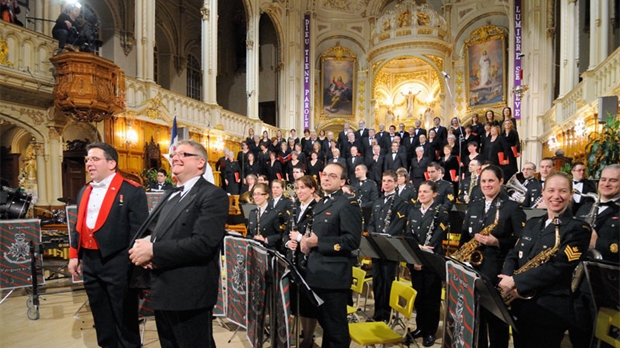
[{"x": 194, "y": 78}]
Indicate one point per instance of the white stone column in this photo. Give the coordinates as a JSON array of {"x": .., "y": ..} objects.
[
  {"x": 252, "y": 65},
  {"x": 604, "y": 34},
  {"x": 145, "y": 39},
  {"x": 572, "y": 71},
  {"x": 594, "y": 34},
  {"x": 38, "y": 13},
  {"x": 565, "y": 48},
  {"x": 291, "y": 73},
  {"x": 209, "y": 51},
  {"x": 41, "y": 174}
]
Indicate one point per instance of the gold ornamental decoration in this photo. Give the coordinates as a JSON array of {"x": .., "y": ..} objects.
[{"x": 88, "y": 88}]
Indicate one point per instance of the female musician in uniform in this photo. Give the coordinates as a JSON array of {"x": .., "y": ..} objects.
[
  {"x": 427, "y": 223},
  {"x": 543, "y": 319},
  {"x": 493, "y": 247},
  {"x": 278, "y": 201},
  {"x": 266, "y": 224},
  {"x": 307, "y": 189}
]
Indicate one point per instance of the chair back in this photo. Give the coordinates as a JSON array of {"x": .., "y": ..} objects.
[
  {"x": 357, "y": 285},
  {"x": 402, "y": 298}
]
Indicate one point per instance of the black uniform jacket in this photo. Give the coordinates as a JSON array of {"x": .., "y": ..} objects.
[
  {"x": 366, "y": 192},
  {"x": 550, "y": 281},
  {"x": 272, "y": 226},
  {"x": 607, "y": 226},
  {"x": 396, "y": 220},
  {"x": 338, "y": 226},
  {"x": 419, "y": 225},
  {"x": 509, "y": 227},
  {"x": 302, "y": 224}
]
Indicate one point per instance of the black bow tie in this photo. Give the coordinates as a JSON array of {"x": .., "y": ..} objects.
[
  {"x": 577, "y": 182},
  {"x": 608, "y": 204},
  {"x": 177, "y": 189}
]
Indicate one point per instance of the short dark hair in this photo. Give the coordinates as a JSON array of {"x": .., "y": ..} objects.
[
  {"x": 433, "y": 185},
  {"x": 309, "y": 182},
  {"x": 499, "y": 173},
  {"x": 343, "y": 176},
  {"x": 576, "y": 164},
  {"x": 163, "y": 171},
  {"x": 108, "y": 151},
  {"x": 391, "y": 174}
]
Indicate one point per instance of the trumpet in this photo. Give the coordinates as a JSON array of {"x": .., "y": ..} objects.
[{"x": 519, "y": 191}]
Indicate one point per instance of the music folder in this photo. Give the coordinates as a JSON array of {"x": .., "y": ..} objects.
[{"x": 428, "y": 258}]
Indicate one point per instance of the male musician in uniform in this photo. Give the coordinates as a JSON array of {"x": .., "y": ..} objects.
[
  {"x": 534, "y": 188},
  {"x": 337, "y": 231},
  {"x": 160, "y": 184},
  {"x": 389, "y": 215},
  {"x": 365, "y": 190},
  {"x": 445, "y": 193},
  {"x": 183, "y": 252},
  {"x": 581, "y": 184},
  {"x": 111, "y": 209}
]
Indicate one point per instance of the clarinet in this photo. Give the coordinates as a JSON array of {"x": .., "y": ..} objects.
[
  {"x": 304, "y": 261},
  {"x": 431, "y": 228},
  {"x": 388, "y": 216},
  {"x": 258, "y": 221},
  {"x": 293, "y": 223}
]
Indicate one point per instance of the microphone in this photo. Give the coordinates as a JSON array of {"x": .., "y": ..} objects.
[{"x": 445, "y": 75}]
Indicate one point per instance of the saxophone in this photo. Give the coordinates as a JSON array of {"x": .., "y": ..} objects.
[
  {"x": 537, "y": 261},
  {"x": 469, "y": 251},
  {"x": 388, "y": 217},
  {"x": 472, "y": 182}
]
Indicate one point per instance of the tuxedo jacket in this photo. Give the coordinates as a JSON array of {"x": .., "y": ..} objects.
[
  {"x": 118, "y": 220},
  {"x": 375, "y": 168},
  {"x": 338, "y": 226},
  {"x": 397, "y": 218},
  {"x": 367, "y": 192},
  {"x": 186, "y": 248},
  {"x": 551, "y": 281},
  {"x": 154, "y": 186},
  {"x": 361, "y": 133},
  {"x": 589, "y": 186},
  {"x": 508, "y": 230},
  {"x": 441, "y": 133},
  {"x": 418, "y": 168},
  {"x": 418, "y": 225},
  {"x": 353, "y": 162},
  {"x": 393, "y": 163}
]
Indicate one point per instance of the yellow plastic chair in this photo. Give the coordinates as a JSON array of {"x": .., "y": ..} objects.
[
  {"x": 357, "y": 286},
  {"x": 605, "y": 320},
  {"x": 402, "y": 298}
]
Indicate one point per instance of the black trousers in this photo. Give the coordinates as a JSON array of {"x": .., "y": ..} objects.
[
  {"x": 185, "y": 329},
  {"x": 497, "y": 330},
  {"x": 113, "y": 304},
  {"x": 428, "y": 300},
  {"x": 383, "y": 273},
  {"x": 332, "y": 316}
]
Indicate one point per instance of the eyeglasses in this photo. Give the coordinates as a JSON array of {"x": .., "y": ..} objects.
[
  {"x": 259, "y": 194},
  {"x": 182, "y": 154},
  {"x": 92, "y": 159},
  {"x": 333, "y": 176}
]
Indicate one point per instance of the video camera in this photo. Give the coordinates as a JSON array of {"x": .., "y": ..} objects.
[
  {"x": 14, "y": 203},
  {"x": 86, "y": 38}
]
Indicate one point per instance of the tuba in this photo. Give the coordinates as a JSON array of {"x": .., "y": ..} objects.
[
  {"x": 469, "y": 251},
  {"x": 515, "y": 189},
  {"x": 536, "y": 261}
]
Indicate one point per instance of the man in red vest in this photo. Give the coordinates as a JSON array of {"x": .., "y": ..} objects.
[{"x": 111, "y": 209}]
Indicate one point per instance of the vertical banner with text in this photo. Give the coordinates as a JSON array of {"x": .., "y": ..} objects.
[
  {"x": 518, "y": 70},
  {"x": 460, "y": 314},
  {"x": 307, "y": 72},
  {"x": 15, "y": 262}
]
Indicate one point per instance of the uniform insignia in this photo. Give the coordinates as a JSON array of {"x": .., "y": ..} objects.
[
  {"x": 354, "y": 202},
  {"x": 443, "y": 227},
  {"x": 288, "y": 212},
  {"x": 614, "y": 218},
  {"x": 520, "y": 254},
  {"x": 613, "y": 248},
  {"x": 328, "y": 213},
  {"x": 283, "y": 227},
  {"x": 450, "y": 197},
  {"x": 337, "y": 247},
  {"x": 413, "y": 200},
  {"x": 522, "y": 224},
  {"x": 400, "y": 216},
  {"x": 572, "y": 253}
]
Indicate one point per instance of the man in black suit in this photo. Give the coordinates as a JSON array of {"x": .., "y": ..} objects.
[
  {"x": 418, "y": 130},
  {"x": 402, "y": 133},
  {"x": 354, "y": 160},
  {"x": 345, "y": 148},
  {"x": 365, "y": 190},
  {"x": 337, "y": 159},
  {"x": 362, "y": 132},
  {"x": 418, "y": 166},
  {"x": 389, "y": 215},
  {"x": 534, "y": 188},
  {"x": 581, "y": 184},
  {"x": 440, "y": 131},
  {"x": 367, "y": 142},
  {"x": 309, "y": 145},
  {"x": 381, "y": 135},
  {"x": 395, "y": 159},
  {"x": 374, "y": 162},
  {"x": 445, "y": 192},
  {"x": 183, "y": 252},
  {"x": 337, "y": 231},
  {"x": 328, "y": 144},
  {"x": 342, "y": 136},
  {"x": 111, "y": 209},
  {"x": 160, "y": 184}
]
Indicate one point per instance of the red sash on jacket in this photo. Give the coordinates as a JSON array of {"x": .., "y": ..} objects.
[{"x": 86, "y": 235}]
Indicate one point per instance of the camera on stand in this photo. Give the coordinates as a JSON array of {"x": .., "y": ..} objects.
[{"x": 14, "y": 203}]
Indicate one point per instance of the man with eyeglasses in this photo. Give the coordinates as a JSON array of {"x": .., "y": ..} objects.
[
  {"x": 336, "y": 232},
  {"x": 160, "y": 184},
  {"x": 534, "y": 188},
  {"x": 111, "y": 209},
  {"x": 582, "y": 185},
  {"x": 183, "y": 251}
]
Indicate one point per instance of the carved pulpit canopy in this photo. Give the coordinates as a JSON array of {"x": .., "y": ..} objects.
[{"x": 88, "y": 88}]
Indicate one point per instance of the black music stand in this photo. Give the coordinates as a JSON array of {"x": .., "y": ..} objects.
[
  {"x": 490, "y": 299},
  {"x": 367, "y": 248},
  {"x": 385, "y": 249},
  {"x": 428, "y": 259}
]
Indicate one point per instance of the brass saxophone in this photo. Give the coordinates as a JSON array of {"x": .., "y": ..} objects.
[
  {"x": 536, "y": 261},
  {"x": 472, "y": 182},
  {"x": 388, "y": 217},
  {"x": 469, "y": 251}
]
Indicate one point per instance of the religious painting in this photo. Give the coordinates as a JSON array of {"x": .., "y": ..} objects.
[
  {"x": 486, "y": 68},
  {"x": 338, "y": 66}
]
